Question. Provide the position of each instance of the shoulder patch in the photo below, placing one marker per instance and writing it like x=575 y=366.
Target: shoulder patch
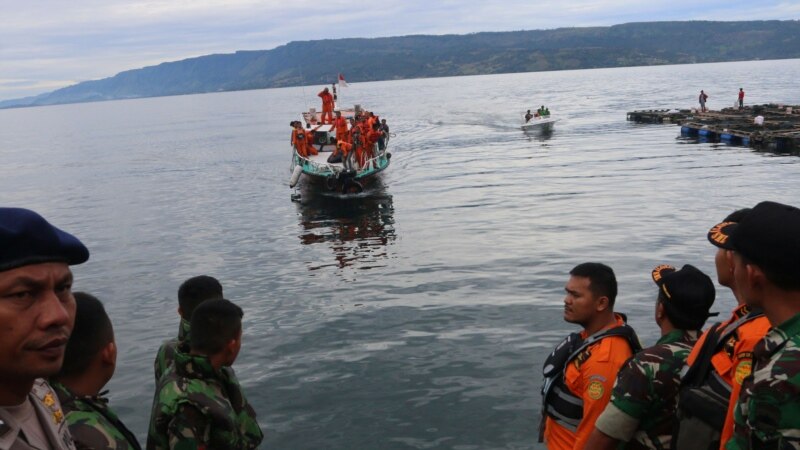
x=743 y=370
x=595 y=390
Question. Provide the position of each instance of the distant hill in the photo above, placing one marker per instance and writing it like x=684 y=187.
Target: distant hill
x=391 y=58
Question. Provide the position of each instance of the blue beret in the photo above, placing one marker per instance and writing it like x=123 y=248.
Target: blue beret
x=27 y=238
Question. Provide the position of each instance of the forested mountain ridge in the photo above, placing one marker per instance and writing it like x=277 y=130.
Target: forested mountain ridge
x=423 y=56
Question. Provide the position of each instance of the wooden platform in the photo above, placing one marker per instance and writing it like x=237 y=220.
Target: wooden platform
x=780 y=130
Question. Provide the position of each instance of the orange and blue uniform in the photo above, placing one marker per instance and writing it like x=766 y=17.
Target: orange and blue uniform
x=733 y=360
x=589 y=376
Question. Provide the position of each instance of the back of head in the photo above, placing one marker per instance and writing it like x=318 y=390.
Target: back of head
x=687 y=295
x=768 y=237
x=195 y=291
x=215 y=323
x=602 y=280
x=92 y=332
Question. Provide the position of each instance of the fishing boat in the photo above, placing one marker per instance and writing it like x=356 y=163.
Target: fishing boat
x=539 y=123
x=321 y=170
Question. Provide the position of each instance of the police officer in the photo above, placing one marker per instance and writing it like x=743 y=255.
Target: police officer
x=642 y=407
x=720 y=361
x=191 y=293
x=89 y=364
x=195 y=406
x=37 y=312
x=580 y=372
x=766 y=246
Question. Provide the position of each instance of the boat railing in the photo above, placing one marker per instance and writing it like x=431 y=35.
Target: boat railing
x=317 y=167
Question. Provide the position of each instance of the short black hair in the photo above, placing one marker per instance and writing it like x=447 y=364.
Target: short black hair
x=214 y=323
x=92 y=332
x=196 y=290
x=602 y=281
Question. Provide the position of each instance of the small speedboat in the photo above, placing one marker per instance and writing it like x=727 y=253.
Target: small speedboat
x=539 y=123
x=346 y=176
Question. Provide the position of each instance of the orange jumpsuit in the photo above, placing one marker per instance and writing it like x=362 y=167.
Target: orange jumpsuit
x=304 y=145
x=327 y=106
x=734 y=361
x=299 y=143
x=590 y=376
x=369 y=145
x=340 y=125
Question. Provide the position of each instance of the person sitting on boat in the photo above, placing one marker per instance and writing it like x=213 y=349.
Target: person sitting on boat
x=304 y=140
x=547 y=112
x=327 y=106
x=340 y=125
x=528 y=116
x=340 y=152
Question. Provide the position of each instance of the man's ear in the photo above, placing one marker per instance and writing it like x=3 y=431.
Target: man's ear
x=756 y=278
x=108 y=354
x=602 y=303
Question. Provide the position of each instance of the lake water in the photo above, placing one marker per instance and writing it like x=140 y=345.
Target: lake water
x=417 y=315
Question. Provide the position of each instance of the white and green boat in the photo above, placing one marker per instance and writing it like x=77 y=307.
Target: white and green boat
x=343 y=176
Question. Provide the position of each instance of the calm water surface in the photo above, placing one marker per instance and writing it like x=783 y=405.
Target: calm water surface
x=417 y=315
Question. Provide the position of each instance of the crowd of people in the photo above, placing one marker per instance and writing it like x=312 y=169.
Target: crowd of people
x=57 y=352
x=357 y=139
x=735 y=386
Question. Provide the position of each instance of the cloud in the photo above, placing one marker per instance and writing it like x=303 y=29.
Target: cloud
x=46 y=42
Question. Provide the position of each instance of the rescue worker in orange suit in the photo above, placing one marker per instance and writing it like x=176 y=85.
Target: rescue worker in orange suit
x=327 y=106
x=343 y=149
x=370 y=140
x=579 y=375
x=340 y=125
x=303 y=140
x=721 y=359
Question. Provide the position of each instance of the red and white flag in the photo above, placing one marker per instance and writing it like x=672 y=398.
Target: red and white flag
x=342 y=83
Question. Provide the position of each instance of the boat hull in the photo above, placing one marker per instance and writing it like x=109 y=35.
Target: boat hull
x=539 y=124
x=320 y=174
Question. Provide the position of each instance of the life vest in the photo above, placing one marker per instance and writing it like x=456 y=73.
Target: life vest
x=558 y=402
x=704 y=395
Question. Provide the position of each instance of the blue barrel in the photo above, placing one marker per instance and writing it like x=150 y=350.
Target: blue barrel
x=706 y=133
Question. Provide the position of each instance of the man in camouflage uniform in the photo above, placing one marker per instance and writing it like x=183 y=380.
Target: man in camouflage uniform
x=37 y=312
x=196 y=404
x=191 y=293
x=766 y=245
x=89 y=364
x=720 y=361
x=642 y=407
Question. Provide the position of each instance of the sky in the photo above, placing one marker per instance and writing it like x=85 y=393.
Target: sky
x=49 y=44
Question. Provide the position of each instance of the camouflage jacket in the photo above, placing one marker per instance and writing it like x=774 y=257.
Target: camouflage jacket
x=643 y=402
x=198 y=407
x=166 y=353
x=93 y=425
x=768 y=413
